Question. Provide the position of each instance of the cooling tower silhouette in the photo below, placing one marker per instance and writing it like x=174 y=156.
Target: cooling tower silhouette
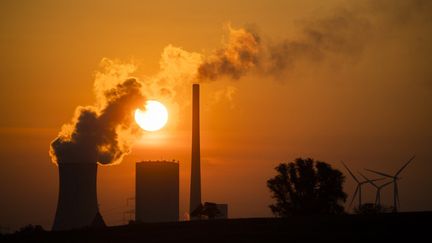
x=77 y=202
x=195 y=186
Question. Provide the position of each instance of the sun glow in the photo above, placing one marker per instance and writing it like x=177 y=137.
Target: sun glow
x=153 y=118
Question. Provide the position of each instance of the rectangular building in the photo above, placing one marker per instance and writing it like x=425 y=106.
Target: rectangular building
x=157 y=191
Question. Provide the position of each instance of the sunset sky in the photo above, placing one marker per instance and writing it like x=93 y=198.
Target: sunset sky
x=341 y=80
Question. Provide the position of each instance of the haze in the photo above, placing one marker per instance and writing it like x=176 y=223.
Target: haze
x=365 y=98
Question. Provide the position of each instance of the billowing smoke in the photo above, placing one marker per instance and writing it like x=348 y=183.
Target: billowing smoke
x=342 y=34
x=339 y=36
x=239 y=54
x=101 y=133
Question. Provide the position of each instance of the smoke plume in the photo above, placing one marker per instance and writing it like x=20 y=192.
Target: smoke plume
x=240 y=54
x=343 y=33
x=340 y=35
x=101 y=133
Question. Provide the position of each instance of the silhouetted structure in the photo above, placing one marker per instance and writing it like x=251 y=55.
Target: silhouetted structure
x=306 y=187
x=395 y=178
x=223 y=209
x=378 y=189
x=77 y=202
x=358 y=190
x=209 y=210
x=157 y=191
x=195 y=186
x=98 y=222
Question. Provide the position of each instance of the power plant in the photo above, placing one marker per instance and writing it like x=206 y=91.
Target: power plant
x=157 y=191
x=195 y=184
x=77 y=202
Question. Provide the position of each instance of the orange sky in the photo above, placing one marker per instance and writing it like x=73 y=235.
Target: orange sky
x=369 y=105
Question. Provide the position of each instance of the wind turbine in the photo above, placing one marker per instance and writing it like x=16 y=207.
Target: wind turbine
x=378 y=188
x=394 y=181
x=358 y=187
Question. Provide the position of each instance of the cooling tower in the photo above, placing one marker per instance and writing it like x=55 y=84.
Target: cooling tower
x=195 y=186
x=157 y=191
x=77 y=202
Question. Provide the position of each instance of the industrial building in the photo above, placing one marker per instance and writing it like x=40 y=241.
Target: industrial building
x=223 y=210
x=77 y=201
x=157 y=191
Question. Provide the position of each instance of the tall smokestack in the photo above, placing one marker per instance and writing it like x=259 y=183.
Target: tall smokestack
x=77 y=202
x=195 y=189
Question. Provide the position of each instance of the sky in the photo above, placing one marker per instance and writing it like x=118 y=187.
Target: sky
x=340 y=81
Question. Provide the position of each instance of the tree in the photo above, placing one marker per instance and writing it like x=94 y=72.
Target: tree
x=306 y=187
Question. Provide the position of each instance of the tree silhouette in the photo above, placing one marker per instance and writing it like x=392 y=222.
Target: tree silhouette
x=307 y=187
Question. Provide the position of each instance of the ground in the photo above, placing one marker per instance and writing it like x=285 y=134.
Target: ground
x=407 y=227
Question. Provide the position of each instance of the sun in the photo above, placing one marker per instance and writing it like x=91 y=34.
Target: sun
x=153 y=118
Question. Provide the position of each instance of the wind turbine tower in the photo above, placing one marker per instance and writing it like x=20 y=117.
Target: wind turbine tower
x=394 y=178
x=358 y=189
x=378 y=188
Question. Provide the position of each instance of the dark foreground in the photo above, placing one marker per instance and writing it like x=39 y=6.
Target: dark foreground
x=407 y=227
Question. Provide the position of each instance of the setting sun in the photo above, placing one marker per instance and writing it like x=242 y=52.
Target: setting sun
x=153 y=118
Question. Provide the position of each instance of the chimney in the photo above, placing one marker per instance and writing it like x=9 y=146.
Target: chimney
x=77 y=202
x=195 y=186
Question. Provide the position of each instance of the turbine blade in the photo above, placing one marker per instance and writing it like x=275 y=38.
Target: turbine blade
x=378 y=179
x=354 y=195
x=404 y=166
x=367 y=180
x=386 y=184
x=349 y=171
x=379 y=173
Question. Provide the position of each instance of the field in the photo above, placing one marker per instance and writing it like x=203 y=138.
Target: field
x=407 y=227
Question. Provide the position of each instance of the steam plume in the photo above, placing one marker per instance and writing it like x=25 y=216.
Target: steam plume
x=240 y=54
x=340 y=34
x=101 y=133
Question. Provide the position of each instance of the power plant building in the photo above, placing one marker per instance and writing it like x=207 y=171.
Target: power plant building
x=77 y=201
x=223 y=210
x=157 y=191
